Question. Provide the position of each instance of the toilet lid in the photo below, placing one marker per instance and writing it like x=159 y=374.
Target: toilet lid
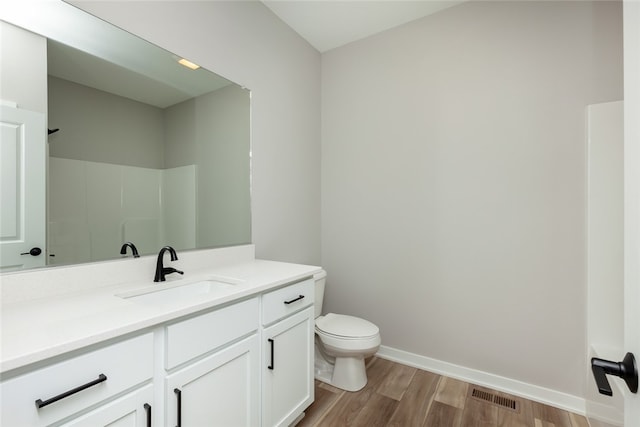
x=346 y=326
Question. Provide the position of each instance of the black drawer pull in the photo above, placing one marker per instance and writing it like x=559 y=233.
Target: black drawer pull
x=294 y=300
x=272 y=345
x=42 y=403
x=179 y=397
x=147 y=409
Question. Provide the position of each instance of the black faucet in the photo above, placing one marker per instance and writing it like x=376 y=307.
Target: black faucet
x=134 y=250
x=161 y=270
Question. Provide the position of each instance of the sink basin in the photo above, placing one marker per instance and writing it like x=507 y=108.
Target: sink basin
x=163 y=294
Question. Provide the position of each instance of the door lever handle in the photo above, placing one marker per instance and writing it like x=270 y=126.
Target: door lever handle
x=627 y=370
x=33 y=252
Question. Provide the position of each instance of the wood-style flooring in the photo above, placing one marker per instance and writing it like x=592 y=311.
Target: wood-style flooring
x=399 y=395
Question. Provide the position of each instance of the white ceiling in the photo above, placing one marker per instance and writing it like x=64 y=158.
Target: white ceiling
x=327 y=24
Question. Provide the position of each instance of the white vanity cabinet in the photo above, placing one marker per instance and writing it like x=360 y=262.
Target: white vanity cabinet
x=80 y=390
x=287 y=372
x=212 y=368
x=245 y=362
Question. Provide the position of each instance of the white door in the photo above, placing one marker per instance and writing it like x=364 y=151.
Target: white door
x=22 y=188
x=632 y=197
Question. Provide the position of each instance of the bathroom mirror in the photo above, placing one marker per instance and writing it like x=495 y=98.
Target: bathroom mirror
x=141 y=148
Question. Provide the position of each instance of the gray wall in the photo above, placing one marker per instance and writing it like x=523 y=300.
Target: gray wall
x=246 y=43
x=212 y=132
x=103 y=127
x=453 y=182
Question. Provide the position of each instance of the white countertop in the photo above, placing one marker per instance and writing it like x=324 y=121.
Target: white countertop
x=37 y=329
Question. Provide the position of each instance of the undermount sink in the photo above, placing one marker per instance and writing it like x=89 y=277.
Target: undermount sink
x=168 y=293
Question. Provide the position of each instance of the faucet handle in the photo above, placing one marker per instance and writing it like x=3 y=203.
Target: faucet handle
x=169 y=270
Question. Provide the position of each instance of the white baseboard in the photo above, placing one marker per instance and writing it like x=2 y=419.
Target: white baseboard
x=518 y=388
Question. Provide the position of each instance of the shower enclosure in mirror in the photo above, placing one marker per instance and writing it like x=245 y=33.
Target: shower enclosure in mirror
x=140 y=147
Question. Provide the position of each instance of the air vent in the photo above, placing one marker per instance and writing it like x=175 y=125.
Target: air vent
x=501 y=401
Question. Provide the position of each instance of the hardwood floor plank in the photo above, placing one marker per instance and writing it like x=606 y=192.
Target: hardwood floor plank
x=396 y=381
x=549 y=414
x=328 y=387
x=324 y=401
x=376 y=412
x=477 y=413
x=377 y=371
x=578 y=420
x=343 y=413
x=522 y=418
x=443 y=415
x=452 y=392
x=413 y=408
x=347 y=409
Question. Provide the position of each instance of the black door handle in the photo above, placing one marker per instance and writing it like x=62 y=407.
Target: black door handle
x=627 y=370
x=33 y=252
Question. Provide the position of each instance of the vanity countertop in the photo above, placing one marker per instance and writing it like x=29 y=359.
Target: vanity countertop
x=41 y=328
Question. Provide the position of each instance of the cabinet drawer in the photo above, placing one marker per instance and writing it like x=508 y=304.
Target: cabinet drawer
x=124 y=364
x=198 y=335
x=284 y=301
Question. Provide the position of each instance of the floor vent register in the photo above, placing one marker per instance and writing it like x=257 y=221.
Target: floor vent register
x=494 y=399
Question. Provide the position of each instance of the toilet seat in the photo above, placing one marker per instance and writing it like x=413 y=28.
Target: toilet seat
x=347 y=335
x=337 y=346
x=341 y=326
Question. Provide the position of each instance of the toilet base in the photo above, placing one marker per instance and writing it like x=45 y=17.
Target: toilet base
x=349 y=373
x=346 y=373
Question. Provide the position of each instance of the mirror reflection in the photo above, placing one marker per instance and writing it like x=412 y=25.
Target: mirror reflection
x=154 y=160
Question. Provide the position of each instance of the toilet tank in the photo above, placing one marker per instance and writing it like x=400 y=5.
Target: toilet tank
x=319 y=278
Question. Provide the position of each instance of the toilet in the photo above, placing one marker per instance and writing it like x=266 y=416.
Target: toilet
x=342 y=343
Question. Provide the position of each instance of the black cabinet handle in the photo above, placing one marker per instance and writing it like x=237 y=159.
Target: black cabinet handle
x=179 y=397
x=147 y=409
x=294 y=300
x=42 y=403
x=272 y=345
x=627 y=370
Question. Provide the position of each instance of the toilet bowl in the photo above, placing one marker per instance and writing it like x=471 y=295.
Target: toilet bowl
x=342 y=344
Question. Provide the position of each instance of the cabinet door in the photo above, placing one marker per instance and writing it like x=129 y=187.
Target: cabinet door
x=288 y=368
x=219 y=390
x=131 y=410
